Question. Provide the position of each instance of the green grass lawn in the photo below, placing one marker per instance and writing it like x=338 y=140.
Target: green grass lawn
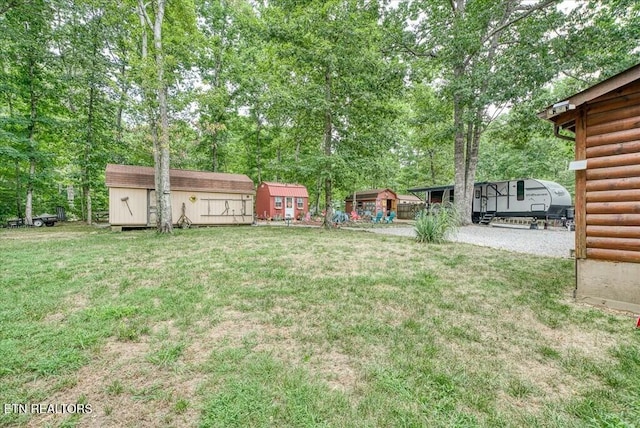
x=288 y=326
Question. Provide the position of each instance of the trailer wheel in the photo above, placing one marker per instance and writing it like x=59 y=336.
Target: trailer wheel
x=49 y=224
x=38 y=222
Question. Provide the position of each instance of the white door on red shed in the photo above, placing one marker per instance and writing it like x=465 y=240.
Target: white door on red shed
x=288 y=207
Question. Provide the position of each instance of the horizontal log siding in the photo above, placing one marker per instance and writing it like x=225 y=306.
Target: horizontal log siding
x=614 y=195
x=613 y=219
x=613 y=255
x=614 y=149
x=625 y=244
x=613 y=207
x=613 y=184
x=614 y=231
x=622 y=109
x=613 y=179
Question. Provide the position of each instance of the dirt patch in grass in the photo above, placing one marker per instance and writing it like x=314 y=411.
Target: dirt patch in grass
x=336 y=262
x=528 y=358
x=569 y=338
x=124 y=389
x=71 y=303
x=243 y=330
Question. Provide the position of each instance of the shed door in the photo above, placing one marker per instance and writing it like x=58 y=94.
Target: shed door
x=288 y=207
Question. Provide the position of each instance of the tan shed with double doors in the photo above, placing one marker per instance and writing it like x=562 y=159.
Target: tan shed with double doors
x=197 y=197
x=605 y=120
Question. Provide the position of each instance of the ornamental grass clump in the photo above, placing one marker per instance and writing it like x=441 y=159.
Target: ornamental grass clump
x=434 y=224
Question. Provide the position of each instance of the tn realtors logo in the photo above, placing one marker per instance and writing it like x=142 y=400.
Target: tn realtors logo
x=40 y=408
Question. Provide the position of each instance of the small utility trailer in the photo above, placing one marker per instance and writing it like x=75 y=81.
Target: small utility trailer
x=38 y=221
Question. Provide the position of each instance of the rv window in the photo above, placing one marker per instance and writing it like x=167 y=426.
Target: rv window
x=477 y=193
x=520 y=190
x=278 y=203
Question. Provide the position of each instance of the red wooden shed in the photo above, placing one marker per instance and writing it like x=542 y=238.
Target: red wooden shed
x=279 y=201
x=605 y=120
x=372 y=201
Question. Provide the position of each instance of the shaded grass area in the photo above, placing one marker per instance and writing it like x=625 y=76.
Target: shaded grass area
x=279 y=326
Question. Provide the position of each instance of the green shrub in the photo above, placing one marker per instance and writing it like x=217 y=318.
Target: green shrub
x=434 y=224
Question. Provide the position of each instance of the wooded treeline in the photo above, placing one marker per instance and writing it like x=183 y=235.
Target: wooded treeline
x=338 y=95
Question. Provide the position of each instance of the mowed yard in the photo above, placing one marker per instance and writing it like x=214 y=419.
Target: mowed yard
x=288 y=326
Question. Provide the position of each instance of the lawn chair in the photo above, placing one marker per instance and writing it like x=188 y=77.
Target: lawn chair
x=340 y=217
x=355 y=216
x=377 y=218
x=389 y=219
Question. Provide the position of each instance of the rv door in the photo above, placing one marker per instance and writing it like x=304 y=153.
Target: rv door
x=492 y=198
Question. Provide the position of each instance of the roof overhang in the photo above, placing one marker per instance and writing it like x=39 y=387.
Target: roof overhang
x=563 y=113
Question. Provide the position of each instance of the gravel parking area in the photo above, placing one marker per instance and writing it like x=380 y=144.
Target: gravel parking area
x=550 y=243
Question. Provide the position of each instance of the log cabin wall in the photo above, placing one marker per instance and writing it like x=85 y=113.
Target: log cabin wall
x=605 y=119
x=612 y=179
x=608 y=200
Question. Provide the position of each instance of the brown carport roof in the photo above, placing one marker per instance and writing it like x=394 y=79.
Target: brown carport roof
x=142 y=177
x=409 y=198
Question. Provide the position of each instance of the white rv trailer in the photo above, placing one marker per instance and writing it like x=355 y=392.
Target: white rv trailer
x=527 y=197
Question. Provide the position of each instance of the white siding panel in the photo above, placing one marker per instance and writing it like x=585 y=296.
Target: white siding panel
x=127 y=207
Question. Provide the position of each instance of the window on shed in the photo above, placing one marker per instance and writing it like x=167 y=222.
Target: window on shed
x=520 y=190
x=278 y=201
x=300 y=203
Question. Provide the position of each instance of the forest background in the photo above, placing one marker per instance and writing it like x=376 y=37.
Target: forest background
x=338 y=95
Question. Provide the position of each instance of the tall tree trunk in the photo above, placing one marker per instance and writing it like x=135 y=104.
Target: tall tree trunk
x=279 y=159
x=432 y=166
x=166 y=221
x=258 y=148
x=459 y=160
x=28 y=207
x=158 y=95
x=214 y=151
x=86 y=167
x=318 y=193
x=124 y=87
x=18 y=198
x=473 y=142
x=156 y=171
x=467 y=144
x=328 y=130
x=17 y=162
x=33 y=114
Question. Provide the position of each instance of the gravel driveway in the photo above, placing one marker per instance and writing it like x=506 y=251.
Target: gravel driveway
x=550 y=243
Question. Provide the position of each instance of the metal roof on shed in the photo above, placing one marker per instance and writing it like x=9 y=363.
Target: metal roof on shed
x=142 y=177
x=369 y=194
x=286 y=189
